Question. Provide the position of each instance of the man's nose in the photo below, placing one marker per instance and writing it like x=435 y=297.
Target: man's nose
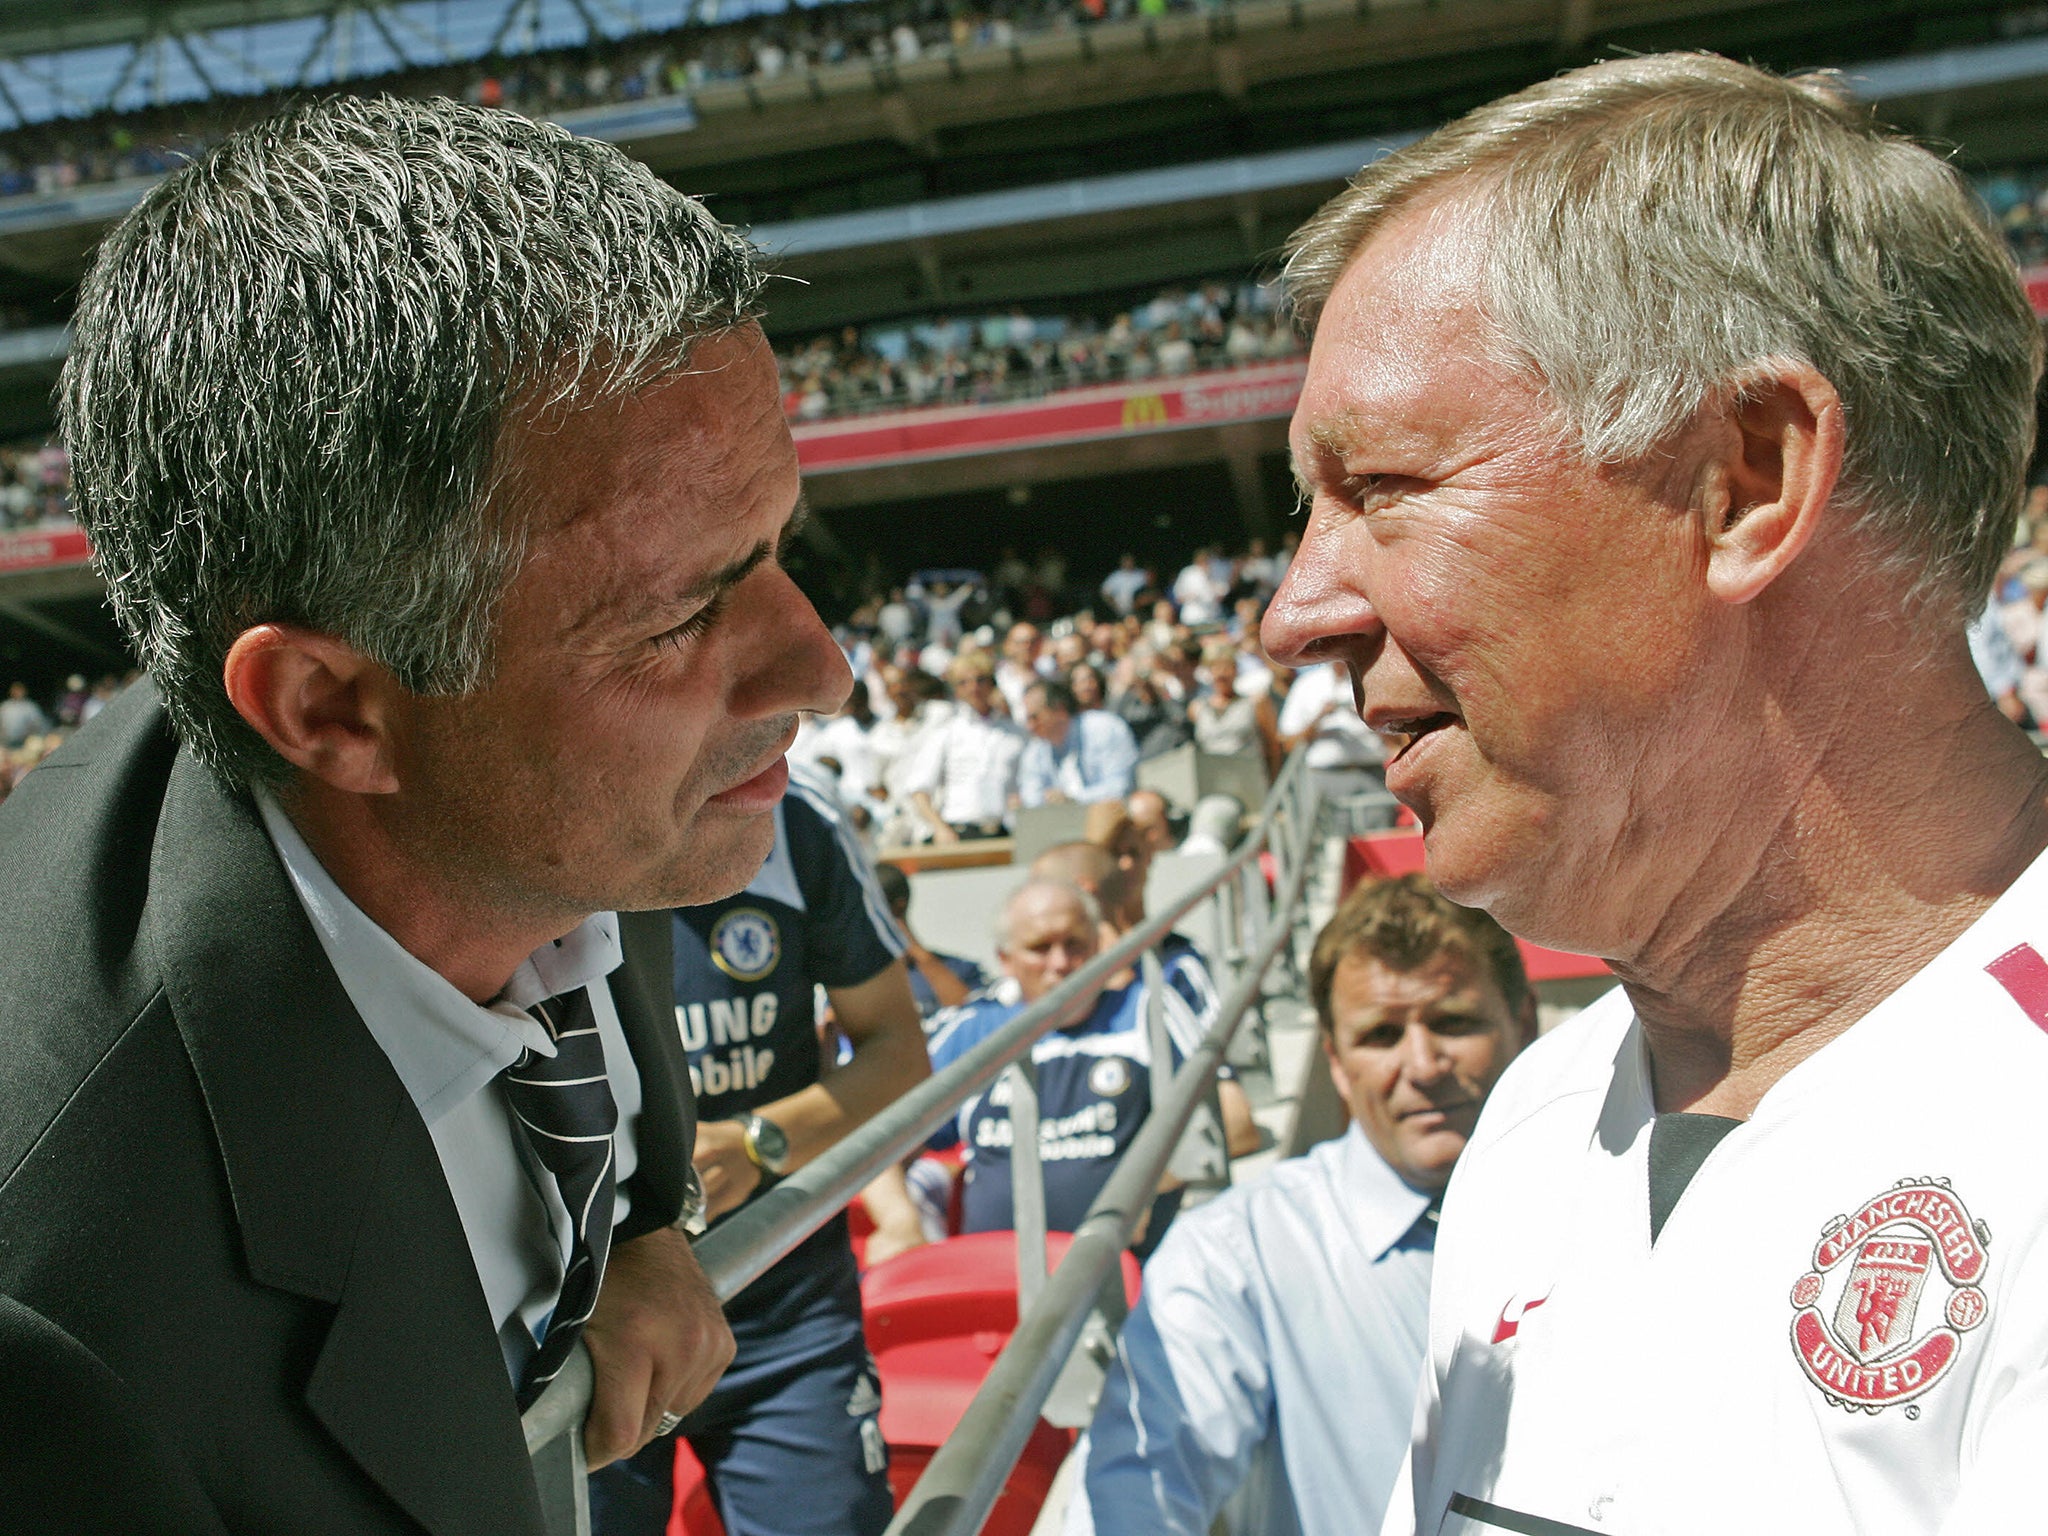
x=801 y=666
x=1423 y=1060
x=1320 y=612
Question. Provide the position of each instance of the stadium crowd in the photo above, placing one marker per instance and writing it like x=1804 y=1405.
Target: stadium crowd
x=980 y=694
x=56 y=156
x=974 y=360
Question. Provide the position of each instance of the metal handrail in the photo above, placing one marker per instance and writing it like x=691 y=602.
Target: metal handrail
x=755 y=1238
x=967 y=1473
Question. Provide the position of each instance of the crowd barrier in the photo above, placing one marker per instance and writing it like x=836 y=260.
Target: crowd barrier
x=1182 y=1134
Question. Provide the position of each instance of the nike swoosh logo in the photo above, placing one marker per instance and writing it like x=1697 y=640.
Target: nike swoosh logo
x=1508 y=1327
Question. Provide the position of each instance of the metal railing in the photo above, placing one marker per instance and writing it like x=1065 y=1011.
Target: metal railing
x=1181 y=1134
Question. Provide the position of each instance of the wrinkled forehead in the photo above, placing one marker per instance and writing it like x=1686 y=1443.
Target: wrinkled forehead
x=1367 y=987
x=1040 y=917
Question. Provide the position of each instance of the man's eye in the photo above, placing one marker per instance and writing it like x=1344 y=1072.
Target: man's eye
x=694 y=626
x=1371 y=490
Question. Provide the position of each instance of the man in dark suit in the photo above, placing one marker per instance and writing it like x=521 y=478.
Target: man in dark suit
x=439 y=476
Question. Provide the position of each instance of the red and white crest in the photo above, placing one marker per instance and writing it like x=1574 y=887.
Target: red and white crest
x=1880 y=1317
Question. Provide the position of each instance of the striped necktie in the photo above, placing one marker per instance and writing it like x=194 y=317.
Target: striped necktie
x=565 y=1104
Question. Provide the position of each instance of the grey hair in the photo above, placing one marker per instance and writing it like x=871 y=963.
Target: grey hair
x=298 y=358
x=1090 y=907
x=1660 y=230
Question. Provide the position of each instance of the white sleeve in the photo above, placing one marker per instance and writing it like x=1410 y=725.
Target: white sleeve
x=1189 y=1398
x=927 y=763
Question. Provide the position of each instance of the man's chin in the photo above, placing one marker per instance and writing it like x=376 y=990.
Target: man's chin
x=720 y=860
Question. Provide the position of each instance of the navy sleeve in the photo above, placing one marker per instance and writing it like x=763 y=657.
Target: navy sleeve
x=852 y=936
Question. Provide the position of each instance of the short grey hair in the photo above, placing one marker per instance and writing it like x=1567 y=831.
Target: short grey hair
x=1090 y=907
x=1660 y=229
x=297 y=361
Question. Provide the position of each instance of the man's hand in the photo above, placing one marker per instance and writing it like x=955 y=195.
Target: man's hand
x=658 y=1343
x=729 y=1175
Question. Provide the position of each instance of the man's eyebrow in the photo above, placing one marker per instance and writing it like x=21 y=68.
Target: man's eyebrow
x=707 y=587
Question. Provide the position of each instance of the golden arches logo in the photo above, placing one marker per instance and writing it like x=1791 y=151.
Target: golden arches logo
x=1144 y=411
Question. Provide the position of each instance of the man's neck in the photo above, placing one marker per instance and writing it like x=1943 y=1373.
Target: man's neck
x=1907 y=827
x=448 y=924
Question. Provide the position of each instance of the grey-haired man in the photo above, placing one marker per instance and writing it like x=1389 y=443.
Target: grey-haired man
x=1664 y=426
x=438 y=474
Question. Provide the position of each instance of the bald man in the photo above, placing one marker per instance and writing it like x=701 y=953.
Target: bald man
x=1094 y=1076
x=1098 y=872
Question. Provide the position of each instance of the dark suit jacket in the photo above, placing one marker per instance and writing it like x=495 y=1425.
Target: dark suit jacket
x=234 y=1291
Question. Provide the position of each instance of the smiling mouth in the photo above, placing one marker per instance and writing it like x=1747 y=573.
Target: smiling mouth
x=1403 y=732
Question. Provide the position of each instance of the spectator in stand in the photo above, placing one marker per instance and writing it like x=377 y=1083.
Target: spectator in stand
x=896 y=620
x=1999 y=665
x=1225 y=722
x=1094 y=1076
x=780 y=1439
x=840 y=746
x=1345 y=756
x=942 y=602
x=1093 y=869
x=1157 y=720
x=1019 y=668
x=2024 y=623
x=1075 y=756
x=1153 y=818
x=1085 y=683
x=20 y=717
x=1279 y=1339
x=969 y=762
x=1259 y=572
x=1122 y=586
x=936 y=980
x=1198 y=593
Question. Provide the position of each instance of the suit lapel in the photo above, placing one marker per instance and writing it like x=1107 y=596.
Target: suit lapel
x=336 y=1183
x=643 y=989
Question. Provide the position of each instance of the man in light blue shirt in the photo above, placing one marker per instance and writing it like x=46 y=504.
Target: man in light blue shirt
x=1075 y=755
x=1275 y=1351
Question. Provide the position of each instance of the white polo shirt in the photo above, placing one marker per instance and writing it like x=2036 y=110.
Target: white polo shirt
x=1843 y=1327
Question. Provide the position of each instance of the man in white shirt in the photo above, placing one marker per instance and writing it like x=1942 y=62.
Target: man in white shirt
x=1023 y=648
x=344 y=1100
x=1344 y=753
x=1275 y=1349
x=965 y=771
x=1638 y=515
x=1122 y=585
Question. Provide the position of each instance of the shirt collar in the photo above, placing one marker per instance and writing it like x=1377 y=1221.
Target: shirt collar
x=443 y=1046
x=1386 y=1206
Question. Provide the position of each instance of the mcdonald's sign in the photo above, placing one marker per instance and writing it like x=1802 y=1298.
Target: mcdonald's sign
x=1144 y=411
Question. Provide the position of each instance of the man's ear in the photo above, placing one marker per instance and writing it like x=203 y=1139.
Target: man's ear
x=321 y=704
x=1339 y=1078
x=1775 y=463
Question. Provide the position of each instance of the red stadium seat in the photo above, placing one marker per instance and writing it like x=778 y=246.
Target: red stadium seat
x=937 y=1317
x=693 y=1513
x=1383 y=855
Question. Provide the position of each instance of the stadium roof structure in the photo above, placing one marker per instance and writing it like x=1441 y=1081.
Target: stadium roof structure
x=90 y=56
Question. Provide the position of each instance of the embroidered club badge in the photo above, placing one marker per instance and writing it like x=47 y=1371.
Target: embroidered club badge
x=1880 y=1317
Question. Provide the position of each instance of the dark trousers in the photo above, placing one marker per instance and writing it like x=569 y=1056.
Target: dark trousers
x=789 y=1449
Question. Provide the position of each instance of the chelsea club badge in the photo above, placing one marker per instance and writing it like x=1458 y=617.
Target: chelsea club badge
x=745 y=944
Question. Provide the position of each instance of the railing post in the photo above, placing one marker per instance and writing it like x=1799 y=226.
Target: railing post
x=1027 y=1181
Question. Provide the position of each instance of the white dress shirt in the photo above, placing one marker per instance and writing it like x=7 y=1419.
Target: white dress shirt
x=1274 y=1354
x=448 y=1051
x=1341 y=739
x=969 y=766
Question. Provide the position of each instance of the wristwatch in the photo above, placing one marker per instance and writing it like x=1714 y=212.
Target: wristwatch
x=767 y=1148
x=691 y=1221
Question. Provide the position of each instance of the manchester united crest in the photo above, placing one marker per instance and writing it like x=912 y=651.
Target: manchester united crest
x=1881 y=1316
